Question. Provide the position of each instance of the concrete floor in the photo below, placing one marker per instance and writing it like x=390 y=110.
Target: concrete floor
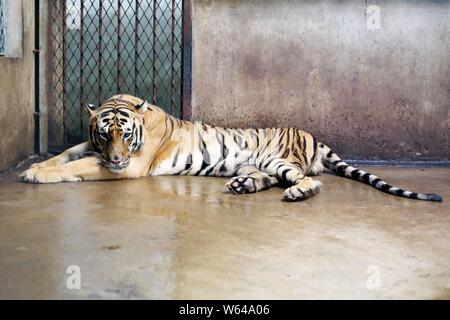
x=187 y=238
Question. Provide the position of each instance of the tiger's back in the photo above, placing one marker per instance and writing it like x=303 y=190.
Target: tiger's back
x=205 y=150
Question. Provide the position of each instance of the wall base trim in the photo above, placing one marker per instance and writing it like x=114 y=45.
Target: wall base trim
x=400 y=163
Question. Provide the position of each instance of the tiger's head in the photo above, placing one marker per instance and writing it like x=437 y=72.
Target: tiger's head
x=116 y=130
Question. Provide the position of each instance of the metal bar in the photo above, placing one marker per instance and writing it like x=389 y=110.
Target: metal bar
x=36 y=51
x=82 y=80
x=100 y=49
x=119 y=22
x=154 y=52
x=49 y=66
x=186 y=66
x=136 y=47
x=172 y=59
x=2 y=27
x=64 y=39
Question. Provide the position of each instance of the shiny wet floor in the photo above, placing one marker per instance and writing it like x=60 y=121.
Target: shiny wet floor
x=188 y=238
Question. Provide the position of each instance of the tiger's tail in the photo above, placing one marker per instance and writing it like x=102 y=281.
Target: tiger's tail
x=333 y=162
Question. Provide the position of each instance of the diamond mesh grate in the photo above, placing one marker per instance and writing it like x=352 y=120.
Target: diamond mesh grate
x=101 y=48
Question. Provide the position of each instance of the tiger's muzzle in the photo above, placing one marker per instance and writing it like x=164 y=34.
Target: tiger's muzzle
x=116 y=165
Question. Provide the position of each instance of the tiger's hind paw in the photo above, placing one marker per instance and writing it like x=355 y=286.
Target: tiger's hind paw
x=242 y=184
x=303 y=190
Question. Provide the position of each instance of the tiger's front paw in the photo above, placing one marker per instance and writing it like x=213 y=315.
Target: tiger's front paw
x=40 y=175
x=45 y=175
x=242 y=184
x=28 y=175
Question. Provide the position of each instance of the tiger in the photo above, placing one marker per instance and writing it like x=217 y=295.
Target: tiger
x=129 y=138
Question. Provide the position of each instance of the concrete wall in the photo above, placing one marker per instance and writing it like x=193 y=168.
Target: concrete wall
x=17 y=94
x=370 y=94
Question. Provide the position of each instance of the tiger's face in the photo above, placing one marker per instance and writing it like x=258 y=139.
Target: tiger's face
x=116 y=131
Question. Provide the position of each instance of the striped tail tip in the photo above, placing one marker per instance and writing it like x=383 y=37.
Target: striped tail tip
x=433 y=197
x=333 y=162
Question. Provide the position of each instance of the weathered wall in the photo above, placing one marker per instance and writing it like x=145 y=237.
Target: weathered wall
x=16 y=98
x=370 y=94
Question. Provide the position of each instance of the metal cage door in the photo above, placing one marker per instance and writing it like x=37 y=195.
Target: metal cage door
x=99 y=48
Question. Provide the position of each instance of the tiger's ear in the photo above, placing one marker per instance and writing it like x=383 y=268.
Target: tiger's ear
x=89 y=108
x=141 y=108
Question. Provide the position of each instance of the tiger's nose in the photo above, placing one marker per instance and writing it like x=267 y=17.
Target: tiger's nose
x=116 y=160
